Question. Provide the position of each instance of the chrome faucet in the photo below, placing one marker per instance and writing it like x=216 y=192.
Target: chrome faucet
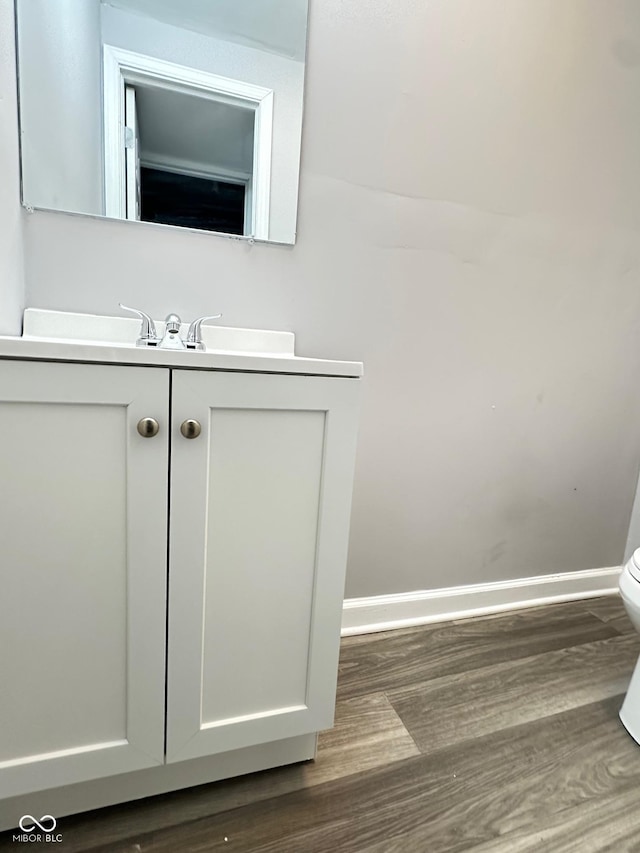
x=149 y=337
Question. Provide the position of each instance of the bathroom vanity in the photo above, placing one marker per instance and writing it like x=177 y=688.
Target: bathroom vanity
x=174 y=538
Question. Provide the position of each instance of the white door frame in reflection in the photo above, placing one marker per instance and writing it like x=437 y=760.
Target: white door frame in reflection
x=125 y=67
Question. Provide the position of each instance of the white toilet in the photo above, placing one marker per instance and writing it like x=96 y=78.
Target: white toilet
x=630 y=592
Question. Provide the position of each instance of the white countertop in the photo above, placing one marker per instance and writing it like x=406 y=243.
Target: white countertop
x=249 y=349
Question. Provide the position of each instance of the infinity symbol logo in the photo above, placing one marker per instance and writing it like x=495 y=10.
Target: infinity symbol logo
x=28 y=823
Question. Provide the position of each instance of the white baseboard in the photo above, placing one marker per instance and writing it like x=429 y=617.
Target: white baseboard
x=385 y=612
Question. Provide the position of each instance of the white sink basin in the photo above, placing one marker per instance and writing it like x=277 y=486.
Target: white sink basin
x=67 y=336
x=41 y=324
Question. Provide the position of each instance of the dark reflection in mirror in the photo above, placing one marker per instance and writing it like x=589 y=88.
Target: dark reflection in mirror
x=189 y=202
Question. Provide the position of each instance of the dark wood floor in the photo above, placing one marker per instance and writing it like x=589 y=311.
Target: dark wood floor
x=496 y=735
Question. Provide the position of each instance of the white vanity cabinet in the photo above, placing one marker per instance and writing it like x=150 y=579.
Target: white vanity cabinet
x=172 y=596
x=258 y=539
x=83 y=520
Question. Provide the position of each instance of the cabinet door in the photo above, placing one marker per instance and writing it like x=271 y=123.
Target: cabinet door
x=260 y=505
x=83 y=522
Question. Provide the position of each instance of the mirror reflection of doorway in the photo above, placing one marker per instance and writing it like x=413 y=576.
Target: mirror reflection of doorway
x=186 y=148
x=200 y=179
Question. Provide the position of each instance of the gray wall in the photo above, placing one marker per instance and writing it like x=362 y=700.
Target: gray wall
x=469 y=227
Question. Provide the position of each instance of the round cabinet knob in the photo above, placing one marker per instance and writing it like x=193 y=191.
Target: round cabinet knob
x=190 y=428
x=148 y=427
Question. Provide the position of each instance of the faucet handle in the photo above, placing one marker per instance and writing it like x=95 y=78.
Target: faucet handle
x=194 y=335
x=148 y=335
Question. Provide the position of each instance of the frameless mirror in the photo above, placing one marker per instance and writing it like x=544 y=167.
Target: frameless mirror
x=181 y=112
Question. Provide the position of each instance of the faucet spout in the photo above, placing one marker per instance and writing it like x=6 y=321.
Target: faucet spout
x=172 y=339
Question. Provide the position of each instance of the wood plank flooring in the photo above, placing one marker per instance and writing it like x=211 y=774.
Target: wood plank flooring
x=494 y=735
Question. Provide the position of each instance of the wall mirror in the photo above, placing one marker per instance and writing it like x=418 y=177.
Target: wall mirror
x=181 y=112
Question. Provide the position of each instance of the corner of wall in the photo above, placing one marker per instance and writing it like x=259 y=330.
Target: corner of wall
x=12 y=282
